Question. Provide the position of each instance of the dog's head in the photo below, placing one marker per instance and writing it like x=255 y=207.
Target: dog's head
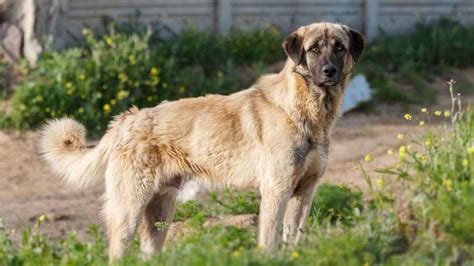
x=323 y=52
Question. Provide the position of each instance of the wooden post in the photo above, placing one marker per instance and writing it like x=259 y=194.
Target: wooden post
x=371 y=19
x=224 y=16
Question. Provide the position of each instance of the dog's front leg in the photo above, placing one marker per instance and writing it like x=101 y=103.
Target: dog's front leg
x=297 y=211
x=272 y=211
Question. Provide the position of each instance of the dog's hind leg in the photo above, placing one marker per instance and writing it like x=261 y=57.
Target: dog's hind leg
x=127 y=194
x=157 y=217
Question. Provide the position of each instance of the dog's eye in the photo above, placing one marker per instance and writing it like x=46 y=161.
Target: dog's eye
x=314 y=49
x=339 y=47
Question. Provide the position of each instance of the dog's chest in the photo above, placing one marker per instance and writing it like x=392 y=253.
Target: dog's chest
x=311 y=157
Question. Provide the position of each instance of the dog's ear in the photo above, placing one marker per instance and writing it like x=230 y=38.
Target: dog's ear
x=358 y=43
x=293 y=46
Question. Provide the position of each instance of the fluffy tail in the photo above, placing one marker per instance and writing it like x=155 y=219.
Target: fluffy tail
x=63 y=146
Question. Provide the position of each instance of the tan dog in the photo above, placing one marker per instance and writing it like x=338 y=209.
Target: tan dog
x=273 y=136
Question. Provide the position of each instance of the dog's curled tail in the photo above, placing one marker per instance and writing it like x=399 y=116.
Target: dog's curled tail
x=63 y=146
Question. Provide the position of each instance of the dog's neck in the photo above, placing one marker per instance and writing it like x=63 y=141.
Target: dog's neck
x=313 y=109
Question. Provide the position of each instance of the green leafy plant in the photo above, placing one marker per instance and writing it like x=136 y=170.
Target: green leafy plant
x=117 y=70
x=336 y=203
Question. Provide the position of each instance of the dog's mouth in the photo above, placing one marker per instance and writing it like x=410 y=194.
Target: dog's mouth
x=328 y=83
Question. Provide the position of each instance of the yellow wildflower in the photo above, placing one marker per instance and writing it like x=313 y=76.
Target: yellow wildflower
x=154 y=71
x=424 y=110
x=447 y=113
x=465 y=163
x=448 y=184
x=379 y=182
x=368 y=158
x=421 y=157
x=402 y=152
x=42 y=218
x=39 y=98
x=22 y=107
x=407 y=116
x=68 y=85
x=437 y=113
x=82 y=77
x=113 y=102
x=390 y=152
x=340 y=185
x=428 y=143
x=122 y=77
x=122 y=94
x=81 y=110
x=422 y=123
x=108 y=40
x=106 y=107
x=400 y=136
x=470 y=150
x=295 y=254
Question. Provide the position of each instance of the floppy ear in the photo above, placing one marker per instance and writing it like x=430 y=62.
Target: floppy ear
x=293 y=45
x=358 y=43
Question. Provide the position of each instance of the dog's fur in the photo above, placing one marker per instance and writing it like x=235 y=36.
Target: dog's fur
x=273 y=136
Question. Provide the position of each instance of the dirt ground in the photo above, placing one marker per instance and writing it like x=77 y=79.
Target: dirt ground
x=28 y=189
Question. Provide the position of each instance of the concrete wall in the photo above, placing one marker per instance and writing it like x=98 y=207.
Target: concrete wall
x=393 y=16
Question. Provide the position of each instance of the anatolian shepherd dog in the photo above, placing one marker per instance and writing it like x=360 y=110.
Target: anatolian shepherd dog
x=273 y=136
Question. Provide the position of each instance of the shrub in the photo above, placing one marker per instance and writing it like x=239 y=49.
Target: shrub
x=428 y=49
x=437 y=176
x=92 y=83
x=115 y=71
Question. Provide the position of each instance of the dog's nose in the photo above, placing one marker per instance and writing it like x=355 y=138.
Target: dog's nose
x=329 y=70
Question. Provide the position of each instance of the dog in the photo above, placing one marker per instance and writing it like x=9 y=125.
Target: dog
x=273 y=136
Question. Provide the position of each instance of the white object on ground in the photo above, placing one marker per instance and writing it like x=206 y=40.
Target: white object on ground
x=358 y=91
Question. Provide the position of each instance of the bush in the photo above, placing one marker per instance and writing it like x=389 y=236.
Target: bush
x=113 y=72
x=428 y=49
x=437 y=173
